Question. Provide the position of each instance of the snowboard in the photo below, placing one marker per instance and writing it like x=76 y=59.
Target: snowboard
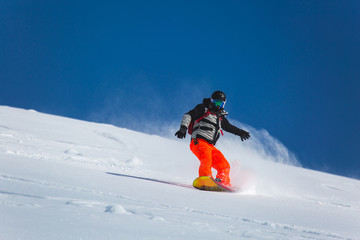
x=209 y=184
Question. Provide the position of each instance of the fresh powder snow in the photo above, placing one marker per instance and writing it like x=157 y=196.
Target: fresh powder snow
x=63 y=178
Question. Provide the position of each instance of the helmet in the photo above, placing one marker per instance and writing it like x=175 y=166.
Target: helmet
x=218 y=98
x=219 y=95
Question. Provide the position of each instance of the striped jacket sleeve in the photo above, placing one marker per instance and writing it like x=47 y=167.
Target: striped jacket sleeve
x=192 y=115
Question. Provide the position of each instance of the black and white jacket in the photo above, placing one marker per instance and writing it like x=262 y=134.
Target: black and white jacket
x=209 y=127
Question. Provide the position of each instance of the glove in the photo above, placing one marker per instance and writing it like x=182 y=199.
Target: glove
x=244 y=135
x=181 y=133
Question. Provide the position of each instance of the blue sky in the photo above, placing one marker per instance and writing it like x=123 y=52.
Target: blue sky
x=290 y=67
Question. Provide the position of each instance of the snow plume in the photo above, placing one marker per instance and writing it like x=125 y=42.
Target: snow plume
x=250 y=160
x=157 y=115
x=261 y=145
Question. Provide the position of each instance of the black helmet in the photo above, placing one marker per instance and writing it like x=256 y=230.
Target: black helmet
x=219 y=95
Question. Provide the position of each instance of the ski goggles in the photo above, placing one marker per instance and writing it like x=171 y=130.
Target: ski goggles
x=218 y=103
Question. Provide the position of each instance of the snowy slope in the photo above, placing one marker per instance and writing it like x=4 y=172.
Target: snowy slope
x=54 y=184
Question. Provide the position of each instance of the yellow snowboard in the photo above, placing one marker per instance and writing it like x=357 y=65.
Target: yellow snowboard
x=209 y=184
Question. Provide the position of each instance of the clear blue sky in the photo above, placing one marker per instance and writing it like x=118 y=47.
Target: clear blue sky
x=290 y=67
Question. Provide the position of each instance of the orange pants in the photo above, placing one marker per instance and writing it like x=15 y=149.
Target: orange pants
x=211 y=157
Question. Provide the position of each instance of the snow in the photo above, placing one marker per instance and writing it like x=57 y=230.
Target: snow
x=55 y=184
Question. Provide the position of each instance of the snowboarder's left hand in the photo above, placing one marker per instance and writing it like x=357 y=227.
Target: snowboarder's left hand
x=244 y=135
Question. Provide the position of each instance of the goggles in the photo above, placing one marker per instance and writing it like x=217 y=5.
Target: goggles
x=218 y=103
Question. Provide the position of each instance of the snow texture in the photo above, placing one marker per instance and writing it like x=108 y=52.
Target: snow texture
x=62 y=178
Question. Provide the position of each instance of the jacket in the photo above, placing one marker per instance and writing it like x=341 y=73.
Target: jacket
x=209 y=127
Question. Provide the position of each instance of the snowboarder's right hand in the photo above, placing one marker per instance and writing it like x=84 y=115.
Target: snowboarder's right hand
x=181 y=133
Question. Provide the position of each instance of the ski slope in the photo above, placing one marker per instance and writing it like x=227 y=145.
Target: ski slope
x=55 y=184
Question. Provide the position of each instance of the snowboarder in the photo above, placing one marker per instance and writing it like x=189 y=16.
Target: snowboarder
x=205 y=123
